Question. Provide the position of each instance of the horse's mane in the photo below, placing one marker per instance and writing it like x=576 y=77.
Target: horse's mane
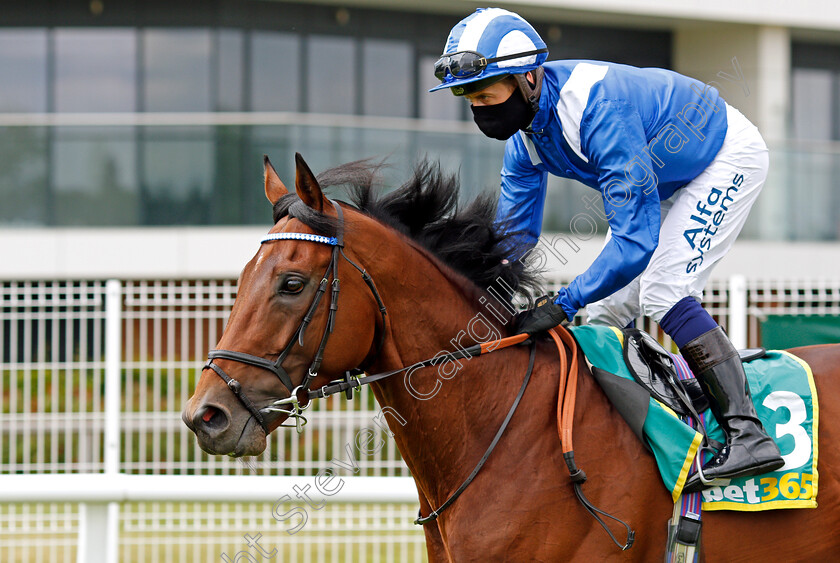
x=426 y=209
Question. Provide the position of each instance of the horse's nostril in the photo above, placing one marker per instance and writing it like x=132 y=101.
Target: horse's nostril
x=210 y=419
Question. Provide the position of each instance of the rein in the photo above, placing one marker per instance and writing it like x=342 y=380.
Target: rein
x=435 y=513
x=565 y=416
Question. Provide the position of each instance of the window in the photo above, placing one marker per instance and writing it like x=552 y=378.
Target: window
x=388 y=78
x=272 y=57
x=177 y=70
x=441 y=104
x=94 y=176
x=23 y=150
x=177 y=175
x=229 y=45
x=812 y=103
x=815 y=96
x=95 y=70
x=275 y=71
x=331 y=75
x=23 y=70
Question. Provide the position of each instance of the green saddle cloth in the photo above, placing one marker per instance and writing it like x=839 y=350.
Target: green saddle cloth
x=783 y=391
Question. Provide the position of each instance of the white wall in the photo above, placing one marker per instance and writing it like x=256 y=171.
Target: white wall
x=805 y=14
x=149 y=253
x=206 y=253
x=757 y=260
x=749 y=64
x=816 y=14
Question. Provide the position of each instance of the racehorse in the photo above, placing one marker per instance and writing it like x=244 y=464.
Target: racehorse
x=415 y=273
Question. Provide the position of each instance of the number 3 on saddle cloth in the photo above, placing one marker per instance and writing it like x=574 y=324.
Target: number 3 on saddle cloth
x=632 y=369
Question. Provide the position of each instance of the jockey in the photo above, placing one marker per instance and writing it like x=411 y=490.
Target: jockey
x=677 y=169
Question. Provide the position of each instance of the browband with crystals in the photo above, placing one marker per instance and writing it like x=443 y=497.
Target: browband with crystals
x=332 y=241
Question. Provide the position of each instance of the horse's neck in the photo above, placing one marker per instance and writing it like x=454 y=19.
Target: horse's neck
x=439 y=434
x=442 y=413
x=445 y=416
x=430 y=310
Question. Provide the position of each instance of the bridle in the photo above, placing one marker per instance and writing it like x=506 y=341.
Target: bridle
x=299 y=397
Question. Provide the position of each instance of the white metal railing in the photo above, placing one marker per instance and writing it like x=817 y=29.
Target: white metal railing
x=161 y=329
x=53 y=367
x=92 y=379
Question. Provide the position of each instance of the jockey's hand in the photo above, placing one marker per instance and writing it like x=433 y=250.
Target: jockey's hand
x=544 y=316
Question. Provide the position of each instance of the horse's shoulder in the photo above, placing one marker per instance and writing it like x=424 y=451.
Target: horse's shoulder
x=818 y=354
x=824 y=361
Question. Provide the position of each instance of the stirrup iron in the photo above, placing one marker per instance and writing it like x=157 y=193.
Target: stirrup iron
x=698 y=465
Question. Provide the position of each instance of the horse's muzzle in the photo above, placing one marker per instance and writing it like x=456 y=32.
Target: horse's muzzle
x=220 y=433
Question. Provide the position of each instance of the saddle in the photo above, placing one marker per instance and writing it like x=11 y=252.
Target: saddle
x=653 y=368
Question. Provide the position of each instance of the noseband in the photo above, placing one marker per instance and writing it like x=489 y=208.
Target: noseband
x=299 y=396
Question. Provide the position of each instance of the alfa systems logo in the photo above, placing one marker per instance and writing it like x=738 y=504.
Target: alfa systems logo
x=706 y=222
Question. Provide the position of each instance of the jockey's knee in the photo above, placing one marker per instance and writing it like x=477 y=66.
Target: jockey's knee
x=657 y=296
x=655 y=304
x=656 y=307
x=606 y=316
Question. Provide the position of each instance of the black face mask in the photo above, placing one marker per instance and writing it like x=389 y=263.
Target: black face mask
x=501 y=121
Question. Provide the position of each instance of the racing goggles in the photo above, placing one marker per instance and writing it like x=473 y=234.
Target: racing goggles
x=465 y=64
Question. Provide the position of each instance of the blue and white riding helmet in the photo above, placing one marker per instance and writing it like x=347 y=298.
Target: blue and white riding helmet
x=486 y=45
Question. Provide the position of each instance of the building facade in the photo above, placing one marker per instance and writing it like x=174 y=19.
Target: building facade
x=125 y=122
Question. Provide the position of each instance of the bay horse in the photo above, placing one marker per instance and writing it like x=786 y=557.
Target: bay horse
x=415 y=272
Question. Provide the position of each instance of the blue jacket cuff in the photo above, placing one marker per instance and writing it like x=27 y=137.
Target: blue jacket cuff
x=564 y=300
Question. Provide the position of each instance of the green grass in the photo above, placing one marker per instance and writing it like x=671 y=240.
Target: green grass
x=152 y=532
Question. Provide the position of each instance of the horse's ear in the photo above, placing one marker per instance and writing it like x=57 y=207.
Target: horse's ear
x=307 y=186
x=274 y=187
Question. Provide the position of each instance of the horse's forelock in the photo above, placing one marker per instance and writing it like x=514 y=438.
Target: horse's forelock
x=292 y=206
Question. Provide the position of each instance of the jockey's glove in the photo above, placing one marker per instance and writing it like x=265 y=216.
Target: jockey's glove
x=545 y=315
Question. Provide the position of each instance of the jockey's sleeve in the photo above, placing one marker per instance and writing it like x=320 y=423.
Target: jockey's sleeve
x=613 y=137
x=522 y=196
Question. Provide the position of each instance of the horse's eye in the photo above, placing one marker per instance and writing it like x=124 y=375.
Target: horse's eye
x=292 y=285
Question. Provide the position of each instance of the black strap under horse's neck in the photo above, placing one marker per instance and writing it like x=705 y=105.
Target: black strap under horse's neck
x=421 y=520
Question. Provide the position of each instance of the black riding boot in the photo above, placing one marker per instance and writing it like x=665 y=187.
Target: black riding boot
x=748 y=449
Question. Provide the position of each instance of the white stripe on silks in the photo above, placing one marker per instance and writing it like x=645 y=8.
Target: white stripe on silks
x=516 y=42
x=532 y=150
x=573 y=98
x=474 y=28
